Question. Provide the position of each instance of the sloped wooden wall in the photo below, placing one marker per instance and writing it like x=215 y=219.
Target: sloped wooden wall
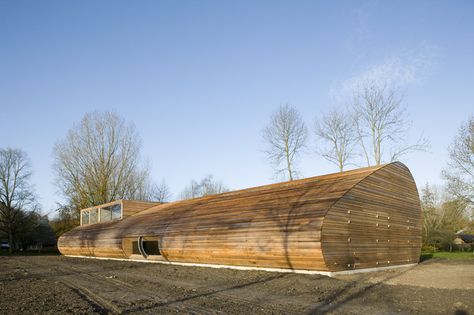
x=285 y=225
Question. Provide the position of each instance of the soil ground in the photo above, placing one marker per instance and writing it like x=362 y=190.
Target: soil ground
x=60 y=285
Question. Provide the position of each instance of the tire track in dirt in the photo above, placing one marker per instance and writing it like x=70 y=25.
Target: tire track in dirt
x=103 y=292
x=131 y=294
x=174 y=303
x=61 y=285
x=99 y=305
x=107 y=294
x=186 y=303
x=223 y=292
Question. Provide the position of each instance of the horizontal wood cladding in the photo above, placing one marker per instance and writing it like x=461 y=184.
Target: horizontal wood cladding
x=302 y=224
x=377 y=223
x=130 y=207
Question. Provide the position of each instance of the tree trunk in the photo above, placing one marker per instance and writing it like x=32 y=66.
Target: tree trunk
x=288 y=162
x=290 y=173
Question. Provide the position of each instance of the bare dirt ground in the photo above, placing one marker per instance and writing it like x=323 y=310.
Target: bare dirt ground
x=60 y=285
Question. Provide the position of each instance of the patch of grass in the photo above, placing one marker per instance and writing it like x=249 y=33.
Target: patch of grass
x=447 y=255
x=454 y=255
x=425 y=256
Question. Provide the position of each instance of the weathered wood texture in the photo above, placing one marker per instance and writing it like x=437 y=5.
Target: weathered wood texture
x=375 y=224
x=327 y=223
x=131 y=207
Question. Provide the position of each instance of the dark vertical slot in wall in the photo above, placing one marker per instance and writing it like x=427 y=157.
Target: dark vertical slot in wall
x=151 y=247
x=135 y=250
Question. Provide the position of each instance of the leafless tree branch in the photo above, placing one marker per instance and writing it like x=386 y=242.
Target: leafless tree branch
x=17 y=199
x=336 y=130
x=285 y=138
x=207 y=186
x=381 y=124
x=460 y=171
x=99 y=161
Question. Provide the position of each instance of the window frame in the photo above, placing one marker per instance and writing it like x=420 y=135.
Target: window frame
x=115 y=208
x=88 y=217
x=97 y=214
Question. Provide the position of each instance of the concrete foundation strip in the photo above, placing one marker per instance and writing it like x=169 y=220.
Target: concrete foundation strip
x=309 y=272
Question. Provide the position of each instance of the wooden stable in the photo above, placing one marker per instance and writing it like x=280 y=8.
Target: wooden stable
x=364 y=218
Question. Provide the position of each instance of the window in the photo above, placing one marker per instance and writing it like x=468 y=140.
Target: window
x=94 y=216
x=116 y=211
x=109 y=213
x=105 y=214
x=85 y=217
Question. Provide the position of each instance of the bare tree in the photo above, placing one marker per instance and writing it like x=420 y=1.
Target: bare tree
x=17 y=199
x=159 y=192
x=381 y=124
x=285 y=138
x=99 y=161
x=336 y=130
x=207 y=186
x=460 y=172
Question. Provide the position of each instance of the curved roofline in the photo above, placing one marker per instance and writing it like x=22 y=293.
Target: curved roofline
x=279 y=184
x=377 y=168
x=262 y=187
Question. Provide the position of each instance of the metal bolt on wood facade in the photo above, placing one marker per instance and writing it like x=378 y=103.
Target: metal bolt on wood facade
x=363 y=218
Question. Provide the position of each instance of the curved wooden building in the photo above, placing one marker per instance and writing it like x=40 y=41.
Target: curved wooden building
x=363 y=218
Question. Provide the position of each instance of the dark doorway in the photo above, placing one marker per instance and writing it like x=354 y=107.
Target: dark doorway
x=151 y=248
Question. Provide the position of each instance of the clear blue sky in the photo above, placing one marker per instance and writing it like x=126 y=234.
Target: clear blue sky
x=201 y=78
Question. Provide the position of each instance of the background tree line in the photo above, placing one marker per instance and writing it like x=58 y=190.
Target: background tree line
x=373 y=130
x=21 y=223
x=450 y=209
x=99 y=161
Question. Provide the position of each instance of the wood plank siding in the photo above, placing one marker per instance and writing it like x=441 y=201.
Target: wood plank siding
x=368 y=217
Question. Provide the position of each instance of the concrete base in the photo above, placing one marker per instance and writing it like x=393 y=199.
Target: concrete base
x=310 y=272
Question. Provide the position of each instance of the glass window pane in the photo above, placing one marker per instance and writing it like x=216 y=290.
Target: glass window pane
x=94 y=216
x=105 y=214
x=116 y=212
x=85 y=217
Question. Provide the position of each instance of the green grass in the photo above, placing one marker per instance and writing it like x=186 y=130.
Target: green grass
x=448 y=255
